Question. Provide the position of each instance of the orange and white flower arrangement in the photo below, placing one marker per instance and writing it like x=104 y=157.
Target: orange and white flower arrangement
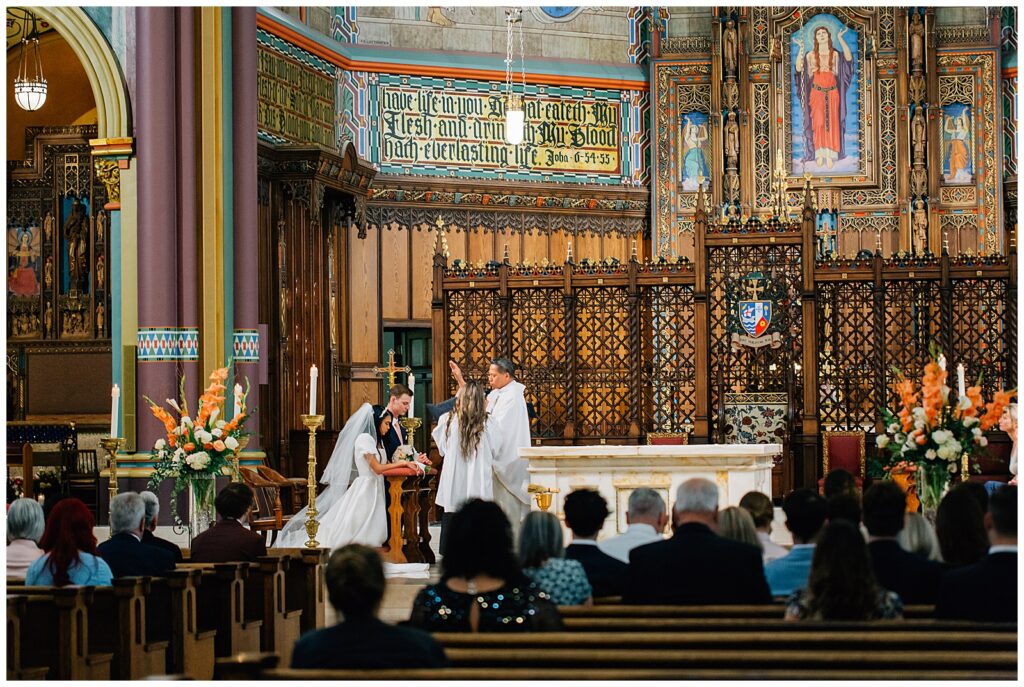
x=935 y=430
x=197 y=449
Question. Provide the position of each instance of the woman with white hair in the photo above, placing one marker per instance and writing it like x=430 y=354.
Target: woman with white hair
x=25 y=527
x=543 y=559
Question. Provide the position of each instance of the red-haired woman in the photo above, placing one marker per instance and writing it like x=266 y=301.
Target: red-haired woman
x=70 y=547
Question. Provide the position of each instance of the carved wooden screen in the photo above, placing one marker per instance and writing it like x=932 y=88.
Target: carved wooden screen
x=539 y=348
x=474 y=334
x=847 y=355
x=744 y=369
x=912 y=323
x=603 y=352
x=669 y=350
x=980 y=327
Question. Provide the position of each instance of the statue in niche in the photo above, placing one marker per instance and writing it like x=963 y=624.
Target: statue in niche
x=101 y=272
x=918 y=135
x=48 y=319
x=101 y=225
x=732 y=142
x=916 y=41
x=76 y=233
x=48 y=223
x=920 y=222
x=729 y=47
x=48 y=272
x=100 y=317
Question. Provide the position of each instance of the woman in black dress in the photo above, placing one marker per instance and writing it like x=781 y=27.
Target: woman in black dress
x=482 y=588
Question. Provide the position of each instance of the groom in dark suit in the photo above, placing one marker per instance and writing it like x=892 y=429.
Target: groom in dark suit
x=696 y=566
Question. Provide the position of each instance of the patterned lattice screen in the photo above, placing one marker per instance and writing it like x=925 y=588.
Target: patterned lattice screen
x=668 y=372
x=911 y=324
x=847 y=355
x=539 y=348
x=981 y=319
x=603 y=351
x=474 y=331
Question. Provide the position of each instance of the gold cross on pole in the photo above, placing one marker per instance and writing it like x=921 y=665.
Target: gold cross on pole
x=391 y=369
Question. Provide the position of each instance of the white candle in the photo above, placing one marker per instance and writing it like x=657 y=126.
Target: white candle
x=238 y=400
x=961 y=390
x=313 y=373
x=412 y=389
x=942 y=362
x=115 y=396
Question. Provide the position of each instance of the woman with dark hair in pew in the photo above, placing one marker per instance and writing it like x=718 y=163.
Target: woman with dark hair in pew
x=842 y=584
x=355 y=586
x=482 y=588
x=70 y=547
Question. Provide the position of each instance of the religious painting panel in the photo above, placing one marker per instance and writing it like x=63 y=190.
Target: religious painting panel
x=826 y=243
x=540 y=351
x=957 y=157
x=696 y=150
x=827 y=88
x=603 y=353
x=668 y=353
x=847 y=355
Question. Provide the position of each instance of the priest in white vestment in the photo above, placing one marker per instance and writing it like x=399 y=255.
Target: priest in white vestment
x=509 y=425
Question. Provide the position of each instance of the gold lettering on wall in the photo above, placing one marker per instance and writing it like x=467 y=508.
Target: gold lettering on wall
x=295 y=102
x=425 y=127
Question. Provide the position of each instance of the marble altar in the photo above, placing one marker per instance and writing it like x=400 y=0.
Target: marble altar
x=615 y=471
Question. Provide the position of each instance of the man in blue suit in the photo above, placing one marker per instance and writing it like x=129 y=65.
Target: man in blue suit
x=124 y=552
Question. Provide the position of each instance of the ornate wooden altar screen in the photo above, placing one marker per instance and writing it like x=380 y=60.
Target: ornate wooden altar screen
x=610 y=352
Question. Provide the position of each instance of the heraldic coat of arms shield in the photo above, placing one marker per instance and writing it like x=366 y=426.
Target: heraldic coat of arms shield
x=753 y=298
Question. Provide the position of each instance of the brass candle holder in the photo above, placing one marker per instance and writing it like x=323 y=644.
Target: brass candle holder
x=111 y=445
x=410 y=425
x=235 y=465
x=311 y=422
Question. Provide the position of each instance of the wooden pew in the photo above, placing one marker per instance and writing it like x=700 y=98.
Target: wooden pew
x=588 y=625
x=16 y=668
x=222 y=604
x=172 y=614
x=304 y=579
x=281 y=611
x=54 y=631
x=612 y=610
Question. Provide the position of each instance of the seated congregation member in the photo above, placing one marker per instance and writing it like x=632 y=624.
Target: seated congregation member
x=646 y=518
x=960 y=525
x=987 y=591
x=696 y=566
x=148 y=536
x=845 y=506
x=841 y=585
x=355 y=587
x=585 y=513
x=541 y=555
x=918 y=536
x=70 y=546
x=124 y=552
x=915 y=579
x=736 y=523
x=805 y=516
x=482 y=588
x=24 y=530
x=762 y=511
x=839 y=481
x=229 y=539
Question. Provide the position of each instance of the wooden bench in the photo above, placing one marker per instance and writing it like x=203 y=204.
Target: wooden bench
x=223 y=604
x=613 y=610
x=17 y=669
x=584 y=624
x=304 y=581
x=173 y=613
x=53 y=627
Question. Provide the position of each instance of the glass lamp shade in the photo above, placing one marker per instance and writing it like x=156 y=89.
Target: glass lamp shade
x=30 y=95
x=515 y=122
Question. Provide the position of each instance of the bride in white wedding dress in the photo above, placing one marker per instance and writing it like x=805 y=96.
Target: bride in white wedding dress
x=351 y=510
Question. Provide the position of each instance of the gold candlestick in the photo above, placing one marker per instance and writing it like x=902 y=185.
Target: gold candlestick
x=311 y=422
x=410 y=425
x=111 y=445
x=242 y=443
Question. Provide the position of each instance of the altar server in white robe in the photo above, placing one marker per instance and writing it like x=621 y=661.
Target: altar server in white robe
x=506 y=407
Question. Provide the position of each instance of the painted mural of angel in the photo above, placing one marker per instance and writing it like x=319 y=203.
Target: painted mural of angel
x=23 y=259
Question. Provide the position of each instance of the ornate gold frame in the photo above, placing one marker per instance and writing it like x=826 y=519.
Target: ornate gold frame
x=668 y=435
x=824 y=450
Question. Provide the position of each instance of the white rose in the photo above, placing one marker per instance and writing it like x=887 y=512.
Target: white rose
x=941 y=436
x=930 y=454
x=231 y=443
x=944 y=452
x=217 y=432
x=220 y=424
x=919 y=414
x=976 y=432
x=882 y=440
x=970 y=421
x=919 y=424
x=983 y=441
x=893 y=428
x=160 y=444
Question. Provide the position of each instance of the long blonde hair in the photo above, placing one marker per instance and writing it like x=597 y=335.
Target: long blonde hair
x=471 y=409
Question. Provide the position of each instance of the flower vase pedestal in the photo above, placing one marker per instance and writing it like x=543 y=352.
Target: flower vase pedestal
x=201 y=515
